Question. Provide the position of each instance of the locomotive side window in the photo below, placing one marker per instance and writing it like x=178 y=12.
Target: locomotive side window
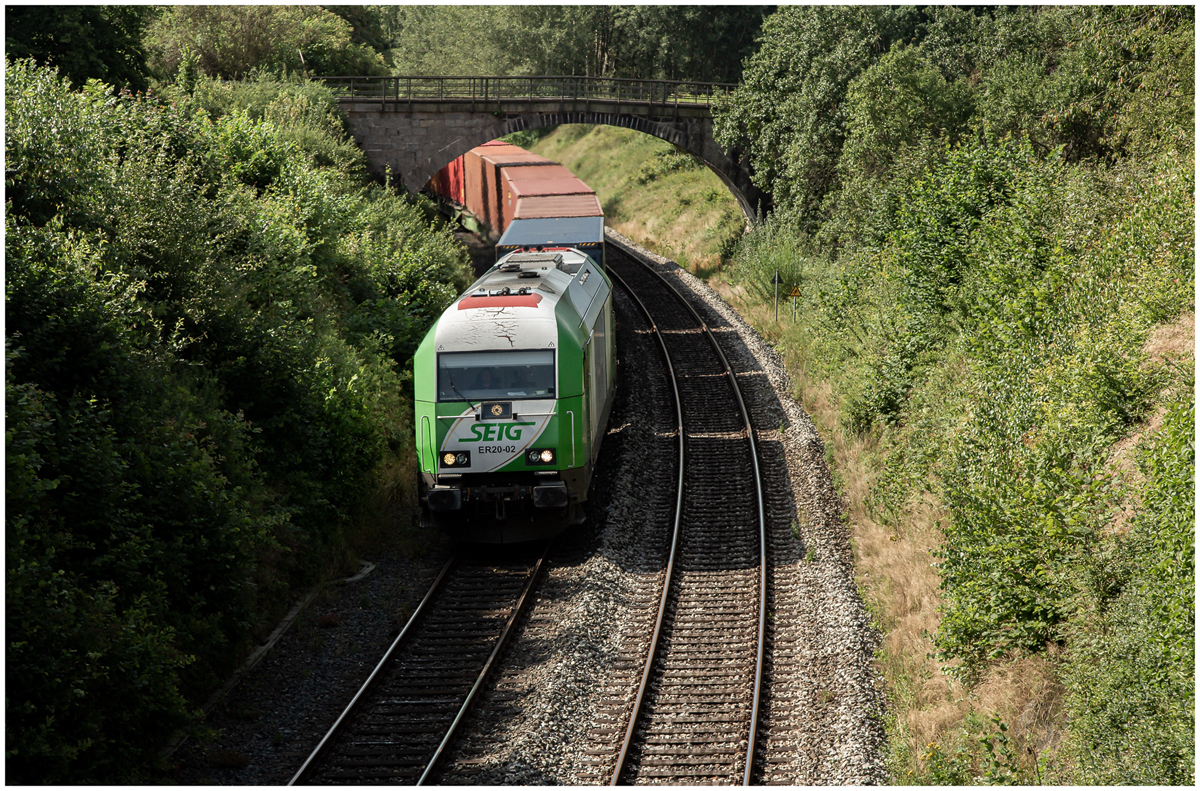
x=479 y=376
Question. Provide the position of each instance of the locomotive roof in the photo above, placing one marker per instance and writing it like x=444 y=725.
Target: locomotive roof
x=516 y=303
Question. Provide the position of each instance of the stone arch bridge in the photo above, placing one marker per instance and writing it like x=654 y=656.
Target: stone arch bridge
x=414 y=126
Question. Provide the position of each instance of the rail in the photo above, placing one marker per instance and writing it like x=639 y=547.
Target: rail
x=485 y=90
x=306 y=768
x=760 y=647
x=652 y=651
x=385 y=751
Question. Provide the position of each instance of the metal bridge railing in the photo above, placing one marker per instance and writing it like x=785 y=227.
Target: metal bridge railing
x=529 y=89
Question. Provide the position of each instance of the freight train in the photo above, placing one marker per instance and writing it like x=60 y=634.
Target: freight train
x=514 y=383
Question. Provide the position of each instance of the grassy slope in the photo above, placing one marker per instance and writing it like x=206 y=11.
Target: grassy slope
x=687 y=215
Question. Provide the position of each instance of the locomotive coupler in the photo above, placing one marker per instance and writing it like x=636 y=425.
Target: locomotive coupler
x=500 y=495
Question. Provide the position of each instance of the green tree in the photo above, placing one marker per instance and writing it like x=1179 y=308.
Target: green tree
x=84 y=42
x=790 y=113
x=1139 y=63
x=455 y=40
x=703 y=43
x=368 y=24
x=896 y=111
x=205 y=331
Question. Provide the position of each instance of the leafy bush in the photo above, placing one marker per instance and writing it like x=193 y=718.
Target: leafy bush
x=302 y=112
x=205 y=331
x=666 y=161
x=528 y=138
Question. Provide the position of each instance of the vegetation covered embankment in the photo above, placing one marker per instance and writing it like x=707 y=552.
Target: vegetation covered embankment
x=990 y=217
x=209 y=312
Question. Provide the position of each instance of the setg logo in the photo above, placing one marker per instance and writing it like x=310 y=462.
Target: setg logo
x=495 y=432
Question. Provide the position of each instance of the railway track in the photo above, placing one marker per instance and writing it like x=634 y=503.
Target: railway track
x=691 y=715
x=399 y=725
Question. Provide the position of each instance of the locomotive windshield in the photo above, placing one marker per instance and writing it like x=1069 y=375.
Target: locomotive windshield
x=482 y=376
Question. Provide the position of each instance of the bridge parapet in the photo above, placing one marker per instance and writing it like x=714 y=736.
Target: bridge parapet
x=496 y=94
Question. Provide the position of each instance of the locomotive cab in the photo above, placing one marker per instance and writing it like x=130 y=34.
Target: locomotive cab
x=513 y=387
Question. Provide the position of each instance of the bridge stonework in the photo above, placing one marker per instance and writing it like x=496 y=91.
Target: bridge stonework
x=414 y=142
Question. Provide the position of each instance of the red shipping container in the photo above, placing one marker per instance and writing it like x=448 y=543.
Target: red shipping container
x=492 y=180
x=448 y=182
x=474 y=183
x=558 y=206
x=521 y=182
x=497 y=159
x=550 y=180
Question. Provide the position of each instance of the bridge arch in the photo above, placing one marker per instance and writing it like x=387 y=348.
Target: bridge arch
x=413 y=127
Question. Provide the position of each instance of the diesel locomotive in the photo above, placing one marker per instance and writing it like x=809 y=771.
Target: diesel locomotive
x=513 y=388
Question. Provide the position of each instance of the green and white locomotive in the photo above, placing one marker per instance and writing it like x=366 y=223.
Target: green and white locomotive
x=513 y=387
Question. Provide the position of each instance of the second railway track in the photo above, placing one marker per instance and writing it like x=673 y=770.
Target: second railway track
x=692 y=715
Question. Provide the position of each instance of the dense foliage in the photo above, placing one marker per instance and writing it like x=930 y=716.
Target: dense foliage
x=837 y=103
x=990 y=212
x=706 y=43
x=208 y=317
x=231 y=41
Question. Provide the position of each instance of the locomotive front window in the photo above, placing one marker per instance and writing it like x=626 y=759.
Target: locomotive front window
x=485 y=376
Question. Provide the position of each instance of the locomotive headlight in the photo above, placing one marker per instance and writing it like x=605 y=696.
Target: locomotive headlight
x=540 y=456
x=451 y=459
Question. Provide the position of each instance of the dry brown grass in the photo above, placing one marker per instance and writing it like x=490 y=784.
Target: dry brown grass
x=1172 y=341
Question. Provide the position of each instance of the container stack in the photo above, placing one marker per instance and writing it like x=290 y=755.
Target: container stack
x=522 y=200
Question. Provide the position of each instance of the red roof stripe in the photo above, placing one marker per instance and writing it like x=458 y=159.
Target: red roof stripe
x=510 y=301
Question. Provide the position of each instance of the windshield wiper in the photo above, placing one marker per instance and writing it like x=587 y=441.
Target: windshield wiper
x=455 y=389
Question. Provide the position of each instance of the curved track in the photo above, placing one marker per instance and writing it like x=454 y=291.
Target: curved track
x=694 y=717
x=397 y=727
